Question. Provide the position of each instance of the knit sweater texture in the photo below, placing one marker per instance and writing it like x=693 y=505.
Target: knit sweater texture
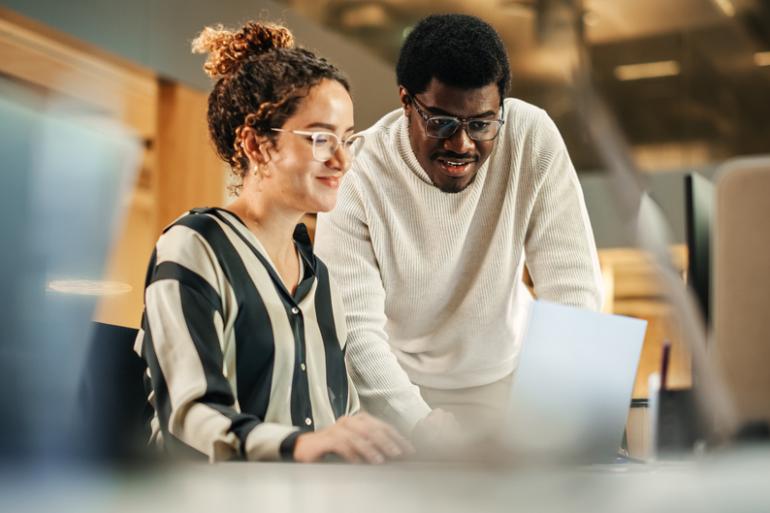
x=432 y=281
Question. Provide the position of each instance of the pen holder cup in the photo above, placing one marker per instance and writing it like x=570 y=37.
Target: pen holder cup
x=676 y=423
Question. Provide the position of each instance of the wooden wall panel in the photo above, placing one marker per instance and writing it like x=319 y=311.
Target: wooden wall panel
x=36 y=54
x=182 y=172
x=189 y=172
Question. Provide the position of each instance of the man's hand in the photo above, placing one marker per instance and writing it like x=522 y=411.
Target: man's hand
x=439 y=436
x=358 y=438
x=437 y=433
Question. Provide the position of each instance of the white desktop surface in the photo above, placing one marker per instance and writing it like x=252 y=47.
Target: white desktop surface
x=730 y=482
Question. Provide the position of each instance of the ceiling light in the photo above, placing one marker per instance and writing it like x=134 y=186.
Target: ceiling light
x=370 y=15
x=518 y=7
x=89 y=287
x=762 y=58
x=647 y=70
x=726 y=6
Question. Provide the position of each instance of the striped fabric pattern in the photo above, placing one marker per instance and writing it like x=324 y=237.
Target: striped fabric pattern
x=238 y=366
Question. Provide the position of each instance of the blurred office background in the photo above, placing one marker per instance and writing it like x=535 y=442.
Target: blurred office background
x=687 y=81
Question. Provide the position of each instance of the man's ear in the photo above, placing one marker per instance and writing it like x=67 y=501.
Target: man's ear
x=255 y=146
x=406 y=100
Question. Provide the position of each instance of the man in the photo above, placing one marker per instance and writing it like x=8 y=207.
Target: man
x=429 y=238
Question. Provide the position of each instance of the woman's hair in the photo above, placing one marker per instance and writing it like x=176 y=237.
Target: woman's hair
x=261 y=78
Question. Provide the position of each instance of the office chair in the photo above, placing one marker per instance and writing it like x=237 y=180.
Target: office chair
x=114 y=412
x=741 y=294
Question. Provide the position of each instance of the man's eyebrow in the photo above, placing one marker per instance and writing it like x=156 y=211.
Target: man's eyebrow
x=442 y=112
x=327 y=126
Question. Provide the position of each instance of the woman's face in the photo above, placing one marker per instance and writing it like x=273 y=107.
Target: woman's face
x=295 y=178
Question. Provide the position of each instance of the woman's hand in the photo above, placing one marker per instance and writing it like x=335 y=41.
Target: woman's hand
x=358 y=438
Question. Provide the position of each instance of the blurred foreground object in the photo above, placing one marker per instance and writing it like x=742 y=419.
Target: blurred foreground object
x=64 y=172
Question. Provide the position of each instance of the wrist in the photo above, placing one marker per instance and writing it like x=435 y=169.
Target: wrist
x=418 y=425
x=288 y=446
x=304 y=446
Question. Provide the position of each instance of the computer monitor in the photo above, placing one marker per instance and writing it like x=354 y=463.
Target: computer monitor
x=699 y=195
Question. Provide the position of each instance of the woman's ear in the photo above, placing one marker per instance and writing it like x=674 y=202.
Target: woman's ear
x=255 y=146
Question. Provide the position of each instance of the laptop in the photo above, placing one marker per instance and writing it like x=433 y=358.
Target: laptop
x=572 y=390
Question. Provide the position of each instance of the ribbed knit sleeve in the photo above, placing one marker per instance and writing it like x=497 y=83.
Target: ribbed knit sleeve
x=343 y=238
x=560 y=249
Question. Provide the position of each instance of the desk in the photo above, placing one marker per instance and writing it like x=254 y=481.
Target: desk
x=734 y=482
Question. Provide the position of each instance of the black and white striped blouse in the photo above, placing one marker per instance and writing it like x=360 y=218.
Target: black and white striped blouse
x=238 y=366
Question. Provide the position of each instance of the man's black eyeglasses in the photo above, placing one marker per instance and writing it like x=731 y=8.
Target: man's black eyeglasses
x=443 y=127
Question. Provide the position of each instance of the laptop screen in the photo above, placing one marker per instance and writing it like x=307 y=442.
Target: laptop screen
x=571 y=392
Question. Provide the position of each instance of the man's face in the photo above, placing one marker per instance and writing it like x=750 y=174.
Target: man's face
x=451 y=162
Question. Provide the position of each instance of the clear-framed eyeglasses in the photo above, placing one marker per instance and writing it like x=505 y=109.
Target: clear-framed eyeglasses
x=443 y=127
x=326 y=144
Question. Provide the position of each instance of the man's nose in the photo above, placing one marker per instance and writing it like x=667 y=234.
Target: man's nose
x=459 y=142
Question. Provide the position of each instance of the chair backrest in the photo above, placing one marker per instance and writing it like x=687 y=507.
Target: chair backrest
x=741 y=312
x=115 y=413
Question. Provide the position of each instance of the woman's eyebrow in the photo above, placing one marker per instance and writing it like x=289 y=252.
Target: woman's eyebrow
x=327 y=126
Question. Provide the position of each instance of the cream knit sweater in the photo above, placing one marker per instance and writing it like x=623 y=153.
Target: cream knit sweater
x=431 y=281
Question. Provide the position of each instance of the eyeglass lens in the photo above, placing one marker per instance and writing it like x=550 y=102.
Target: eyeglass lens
x=325 y=145
x=443 y=127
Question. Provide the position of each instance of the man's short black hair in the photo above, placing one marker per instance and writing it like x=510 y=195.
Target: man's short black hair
x=459 y=50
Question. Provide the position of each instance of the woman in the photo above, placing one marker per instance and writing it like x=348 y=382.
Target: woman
x=242 y=330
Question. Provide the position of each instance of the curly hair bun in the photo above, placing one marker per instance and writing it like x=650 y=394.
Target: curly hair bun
x=228 y=49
